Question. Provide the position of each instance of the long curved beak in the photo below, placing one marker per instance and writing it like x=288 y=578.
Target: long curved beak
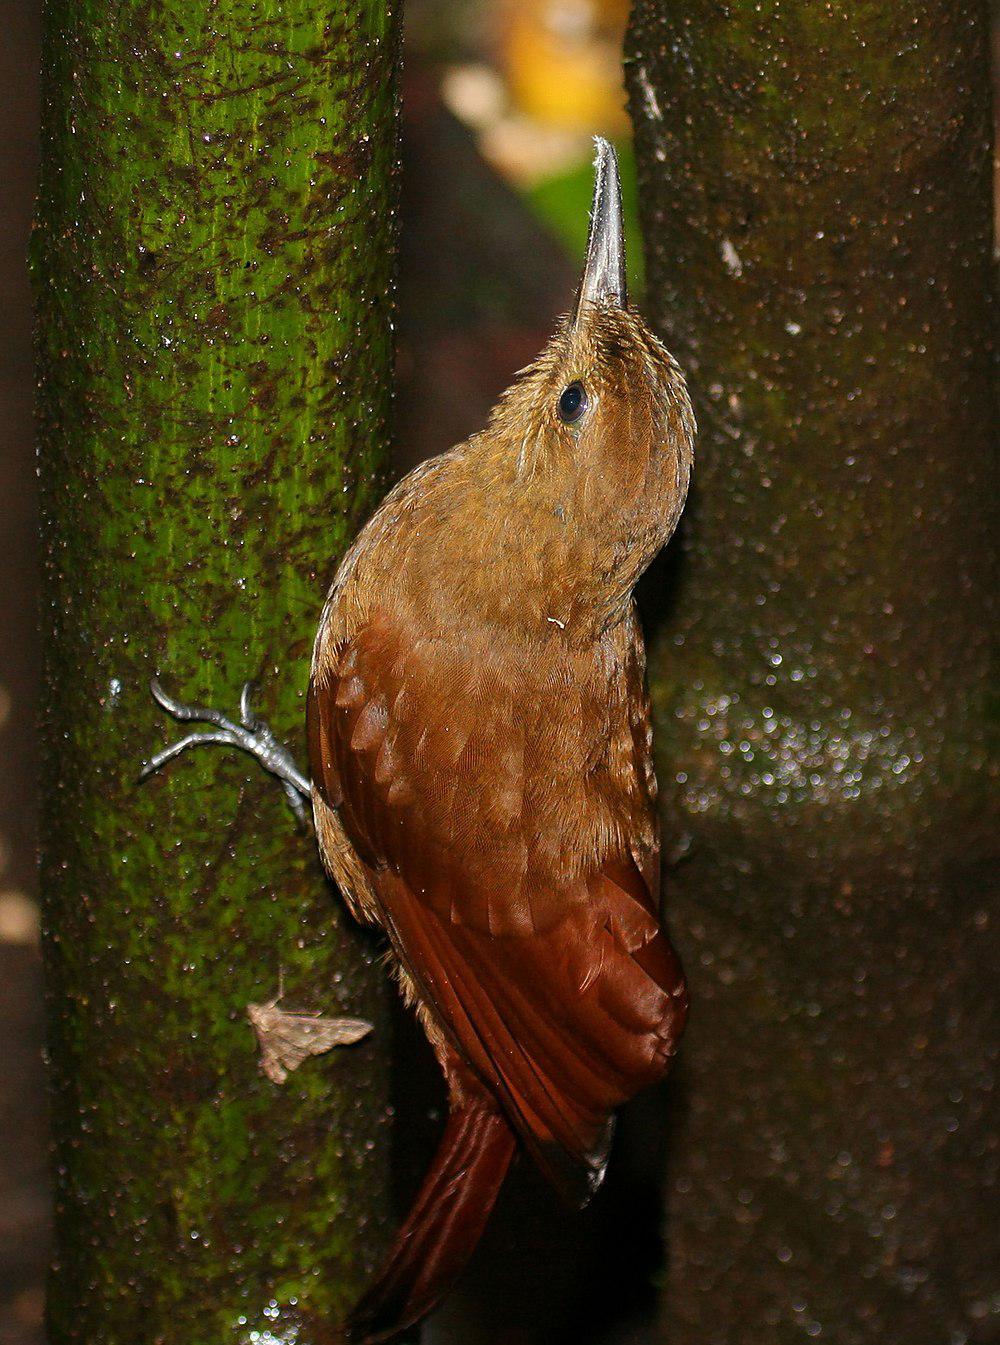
x=604 y=270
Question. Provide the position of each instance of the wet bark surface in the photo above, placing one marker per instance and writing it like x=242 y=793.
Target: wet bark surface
x=816 y=190
x=214 y=274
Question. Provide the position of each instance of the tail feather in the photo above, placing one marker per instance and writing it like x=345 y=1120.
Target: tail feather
x=443 y=1227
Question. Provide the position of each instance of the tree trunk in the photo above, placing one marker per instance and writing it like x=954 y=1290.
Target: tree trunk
x=816 y=188
x=214 y=272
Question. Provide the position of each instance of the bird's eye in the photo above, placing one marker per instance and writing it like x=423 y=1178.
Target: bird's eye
x=572 y=403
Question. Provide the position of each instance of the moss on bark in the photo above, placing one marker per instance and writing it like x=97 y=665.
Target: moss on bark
x=213 y=265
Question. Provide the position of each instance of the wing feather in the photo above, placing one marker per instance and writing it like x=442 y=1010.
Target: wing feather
x=535 y=945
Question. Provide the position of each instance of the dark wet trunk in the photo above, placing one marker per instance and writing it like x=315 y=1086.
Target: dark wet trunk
x=213 y=268
x=816 y=189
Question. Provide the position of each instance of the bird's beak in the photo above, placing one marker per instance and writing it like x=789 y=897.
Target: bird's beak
x=604 y=270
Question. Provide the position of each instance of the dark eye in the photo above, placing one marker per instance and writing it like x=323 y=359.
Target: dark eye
x=572 y=403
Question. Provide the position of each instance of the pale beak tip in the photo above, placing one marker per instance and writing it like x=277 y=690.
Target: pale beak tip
x=603 y=279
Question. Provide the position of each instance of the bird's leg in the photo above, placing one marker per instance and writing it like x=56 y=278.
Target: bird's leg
x=251 y=735
x=284 y=1039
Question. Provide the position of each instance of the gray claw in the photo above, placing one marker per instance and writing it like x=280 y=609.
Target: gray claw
x=296 y=801
x=247 y=716
x=251 y=735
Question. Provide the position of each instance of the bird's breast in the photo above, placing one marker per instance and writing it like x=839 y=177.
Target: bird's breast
x=503 y=764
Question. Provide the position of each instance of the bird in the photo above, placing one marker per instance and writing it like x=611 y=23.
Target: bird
x=482 y=779
x=482 y=774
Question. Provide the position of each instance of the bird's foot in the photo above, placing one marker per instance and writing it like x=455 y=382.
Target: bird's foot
x=251 y=735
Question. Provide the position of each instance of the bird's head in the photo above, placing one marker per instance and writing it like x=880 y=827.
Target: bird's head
x=598 y=433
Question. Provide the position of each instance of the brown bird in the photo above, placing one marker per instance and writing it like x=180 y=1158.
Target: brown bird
x=482 y=777
x=483 y=784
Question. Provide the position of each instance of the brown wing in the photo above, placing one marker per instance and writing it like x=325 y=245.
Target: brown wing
x=471 y=802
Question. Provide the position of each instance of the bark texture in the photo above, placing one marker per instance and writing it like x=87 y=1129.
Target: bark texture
x=213 y=266
x=816 y=188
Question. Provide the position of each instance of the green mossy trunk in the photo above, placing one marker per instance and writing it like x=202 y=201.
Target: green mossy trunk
x=815 y=181
x=213 y=266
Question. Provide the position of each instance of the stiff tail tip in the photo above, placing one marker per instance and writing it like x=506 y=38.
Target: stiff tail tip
x=443 y=1227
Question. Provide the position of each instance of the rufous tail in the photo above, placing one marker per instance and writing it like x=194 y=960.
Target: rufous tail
x=443 y=1227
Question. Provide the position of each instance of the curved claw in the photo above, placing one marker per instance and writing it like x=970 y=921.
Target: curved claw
x=296 y=801
x=251 y=735
x=247 y=717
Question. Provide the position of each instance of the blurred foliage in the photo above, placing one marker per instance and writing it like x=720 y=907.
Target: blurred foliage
x=562 y=61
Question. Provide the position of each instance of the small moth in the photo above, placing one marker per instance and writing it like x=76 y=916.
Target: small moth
x=286 y=1039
